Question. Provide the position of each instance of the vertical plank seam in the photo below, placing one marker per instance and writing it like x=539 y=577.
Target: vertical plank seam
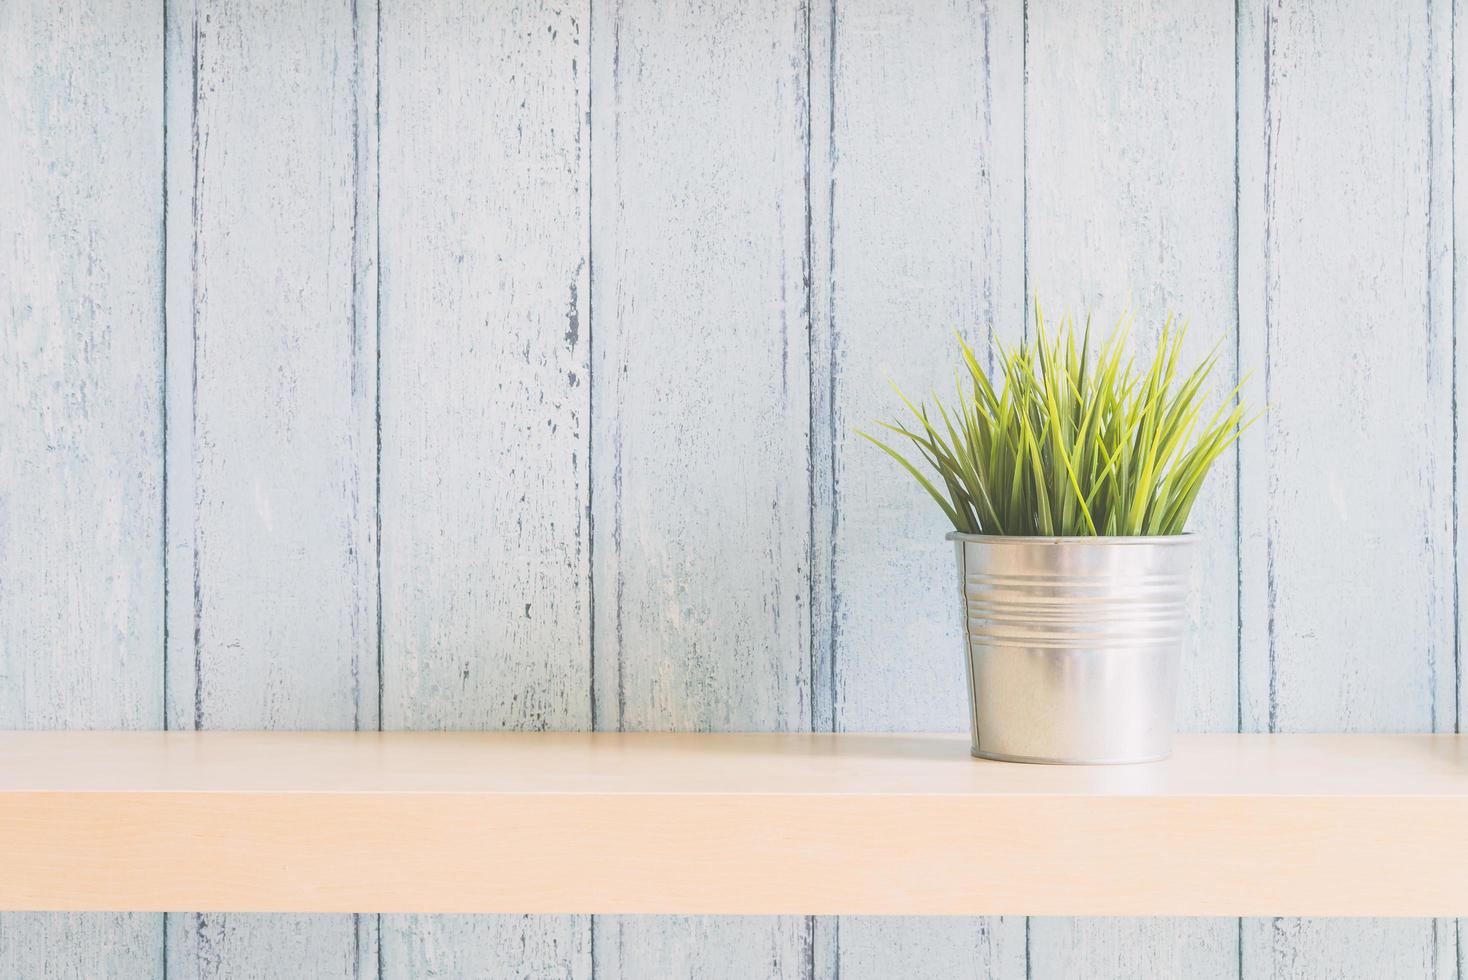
x=355 y=346
x=1266 y=91
x=617 y=431
x=1024 y=225
x=1239 y=947
x=987 y=187
x=1268 y=188
x=1431 y=321
x=836 y=946
x=1024 y=204
x=590 y=162
x=824 y=632
x=1238 y=370
x=377 y=379
x=163 y=377
x=195 y=218
x=810 y=363
x=1453 y=335
x=1237 y=454
x=810 y=440
x=377 y=326
x=163 y=411
x=1452 y=118
x=619 y=583
x=833 y=613
x=591 y=381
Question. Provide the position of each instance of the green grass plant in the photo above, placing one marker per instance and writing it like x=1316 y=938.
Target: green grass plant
x=1071 y=441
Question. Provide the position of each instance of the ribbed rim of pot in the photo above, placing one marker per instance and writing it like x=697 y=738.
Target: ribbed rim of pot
x=1187 y=537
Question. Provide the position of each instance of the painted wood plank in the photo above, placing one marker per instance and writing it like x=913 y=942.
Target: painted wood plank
x=922 y=232
x=486 y=611
x=1128 y=948
x=271 y=394
x=1130 y=206
x=81 y=945
x=1304 y=949
x=700 y=400
x=917 y=232
x=81 y=391
x=81 y=358
x=1459 y=192
x=1344 y=230
x=982 y=948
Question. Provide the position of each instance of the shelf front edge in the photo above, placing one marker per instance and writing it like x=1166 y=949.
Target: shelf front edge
x=778 y=853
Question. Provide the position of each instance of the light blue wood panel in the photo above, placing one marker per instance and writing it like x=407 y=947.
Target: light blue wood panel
x=81 y=411
x=1347 y=494
x=700 y=409
x=271 y=401
x=917 y=235
x=486 y=605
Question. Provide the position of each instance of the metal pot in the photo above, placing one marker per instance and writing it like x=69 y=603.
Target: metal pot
x=1073 y=645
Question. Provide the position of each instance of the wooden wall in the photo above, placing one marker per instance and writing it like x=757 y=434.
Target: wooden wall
x=451 y=364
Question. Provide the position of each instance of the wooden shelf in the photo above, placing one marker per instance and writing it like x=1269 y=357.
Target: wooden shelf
x=800 y=824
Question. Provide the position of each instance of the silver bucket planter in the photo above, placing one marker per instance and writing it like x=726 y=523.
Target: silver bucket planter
x=1073 y=645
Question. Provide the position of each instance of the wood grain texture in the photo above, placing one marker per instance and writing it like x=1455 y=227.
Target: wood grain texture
x=225 y=945
x=872 y=947
x=748 y=824
x=1130 y=206
x=81 y=945
x=1345 y=296
x=484 y=325
x=700 y=373
x=1305 y=949
x=917 y=233
x=702 y=946
x=81 y=430
x=1132 y=949
x=271 y=394
x=913 y=255
x=707 y=854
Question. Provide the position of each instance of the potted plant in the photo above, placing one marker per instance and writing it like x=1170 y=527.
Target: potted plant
x=1069 y=485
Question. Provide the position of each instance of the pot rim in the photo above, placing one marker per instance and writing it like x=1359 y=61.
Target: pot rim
x=1186 y=538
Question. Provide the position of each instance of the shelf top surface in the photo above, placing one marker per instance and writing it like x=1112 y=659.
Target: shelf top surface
x=604 y=763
